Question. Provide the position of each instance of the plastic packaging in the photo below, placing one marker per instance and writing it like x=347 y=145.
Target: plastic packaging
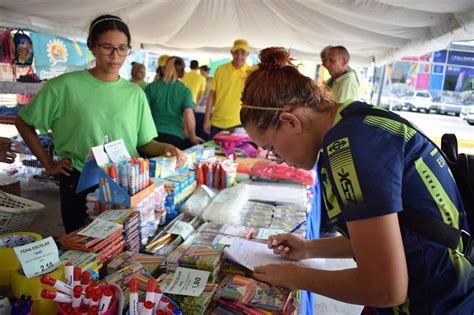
x=198 y=201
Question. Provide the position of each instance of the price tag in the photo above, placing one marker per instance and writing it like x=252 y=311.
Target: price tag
x=117 y=151
x=38 y=258
x=100 y=229
x=181 y=228
x=186 y=281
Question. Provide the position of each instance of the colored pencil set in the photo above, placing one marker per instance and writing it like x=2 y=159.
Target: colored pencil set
x=133 y=176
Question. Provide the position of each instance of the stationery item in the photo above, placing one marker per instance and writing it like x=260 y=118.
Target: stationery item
x=68 y=273
x=133 y=297
x=77 y=296
x=38 y=258
x=150 y=292
x=77 y=276
x=57 y=284
x=85 y=279
x=252 y=254
x=105 y=301
x=56 y=296
x=296 y=228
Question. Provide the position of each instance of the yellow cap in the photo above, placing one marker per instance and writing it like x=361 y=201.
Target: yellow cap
x=162 y=60
x=241 y=44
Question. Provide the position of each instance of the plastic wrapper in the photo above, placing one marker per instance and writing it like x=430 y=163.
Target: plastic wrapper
x=198 y=201
x=226 y=207
x=272 y=170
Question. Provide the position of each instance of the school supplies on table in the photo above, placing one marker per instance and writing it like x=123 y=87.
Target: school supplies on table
x=218 y=174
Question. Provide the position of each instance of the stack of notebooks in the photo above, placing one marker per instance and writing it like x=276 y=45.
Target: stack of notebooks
x=241 y=295
x=84 y=260
x=131 y=226
x=106 y=248
x=151 y=264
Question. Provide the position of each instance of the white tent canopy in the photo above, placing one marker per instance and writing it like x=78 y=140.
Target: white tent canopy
x=382 y=29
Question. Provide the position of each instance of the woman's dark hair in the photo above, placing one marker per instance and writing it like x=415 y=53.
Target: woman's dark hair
x=103 y=24
x=277 y=85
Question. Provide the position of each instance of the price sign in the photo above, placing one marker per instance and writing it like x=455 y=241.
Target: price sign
x=38 y=258
x=190 y=282
x=100 y=229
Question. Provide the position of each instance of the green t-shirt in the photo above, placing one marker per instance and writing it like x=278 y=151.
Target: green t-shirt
x=168 y=100
x=346 y=87
x=81 y=110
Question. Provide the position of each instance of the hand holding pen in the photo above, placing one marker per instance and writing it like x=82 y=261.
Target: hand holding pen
x=289 y=246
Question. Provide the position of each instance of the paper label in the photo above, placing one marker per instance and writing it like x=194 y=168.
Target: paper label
x=101 y=157
x=100 y=229
x=38 y=258
x=113 y=215
x=190 y=282
x=117 y=151
x=181 y=228
x=264 y=234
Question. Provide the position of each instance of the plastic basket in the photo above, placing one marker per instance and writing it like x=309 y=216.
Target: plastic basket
x=17 y=213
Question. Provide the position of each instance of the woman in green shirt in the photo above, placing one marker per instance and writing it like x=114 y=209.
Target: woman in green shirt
x=84 y=106
x=172 y=106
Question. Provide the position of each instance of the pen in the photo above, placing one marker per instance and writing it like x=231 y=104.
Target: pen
x=296 y=228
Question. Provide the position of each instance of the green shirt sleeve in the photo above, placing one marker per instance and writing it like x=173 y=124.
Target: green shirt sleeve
x=146 y=127
x=187 y=99
x=44 y=108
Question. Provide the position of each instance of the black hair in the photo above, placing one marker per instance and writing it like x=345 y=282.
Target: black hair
x=103 y=24
x=194 y=64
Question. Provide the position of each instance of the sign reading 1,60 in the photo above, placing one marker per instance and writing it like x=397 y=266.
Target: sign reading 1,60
x=196 y=283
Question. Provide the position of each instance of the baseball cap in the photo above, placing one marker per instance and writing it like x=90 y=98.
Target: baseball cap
x=241 y=44
x=162 y=60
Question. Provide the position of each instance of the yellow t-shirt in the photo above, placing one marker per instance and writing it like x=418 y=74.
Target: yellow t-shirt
x=195 y=82
x=228 y=84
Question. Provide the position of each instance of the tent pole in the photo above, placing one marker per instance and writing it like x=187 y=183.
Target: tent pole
x=382 y=81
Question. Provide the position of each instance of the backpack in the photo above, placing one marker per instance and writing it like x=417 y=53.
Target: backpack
x=236 y=142
x=462 y=169
x=6 y=49
x=23 y=48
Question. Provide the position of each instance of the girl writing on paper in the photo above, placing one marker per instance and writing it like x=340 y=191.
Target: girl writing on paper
x=82 y=107
x=371 y=169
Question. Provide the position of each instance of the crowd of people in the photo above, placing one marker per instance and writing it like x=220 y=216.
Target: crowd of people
x=370 y=168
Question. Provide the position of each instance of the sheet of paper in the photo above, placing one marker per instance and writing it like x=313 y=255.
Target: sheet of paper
x=187 y=281
x=264 y=234
x=112 y=215
x=117 y=151
x=38 y=258
x=100 y=156
x=100 y=229
x=181 y=228
x=252 y=254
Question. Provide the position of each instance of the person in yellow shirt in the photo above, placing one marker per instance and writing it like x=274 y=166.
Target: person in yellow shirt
x=226 y=90
x=195 y=82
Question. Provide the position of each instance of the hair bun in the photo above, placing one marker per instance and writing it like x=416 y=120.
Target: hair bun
x=274 y=58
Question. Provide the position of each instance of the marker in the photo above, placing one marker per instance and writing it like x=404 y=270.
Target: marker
x=77 y=296
x=68 y=273
x=164 y=303
x=160 y=312
x=96 y=297
x=56 y=296
x=57 y=284
x=158 y=295
x=150 y=291
x=105 y=301
x=170 y=308
x=88 y=297
x=133 y=297
x=93 y=310
x=85 y=279
x=147 y=308
x=77 y=276
x=84 y=309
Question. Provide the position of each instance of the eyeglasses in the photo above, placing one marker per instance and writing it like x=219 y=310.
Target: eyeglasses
x=271 y=155
x=107 y=49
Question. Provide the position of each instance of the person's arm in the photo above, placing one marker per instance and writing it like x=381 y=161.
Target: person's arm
x=31 y=139
x=381 y=276
x=209 y=107
x=155 y=148
x=6 y=154
x=199 y=98
x=190 y=123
